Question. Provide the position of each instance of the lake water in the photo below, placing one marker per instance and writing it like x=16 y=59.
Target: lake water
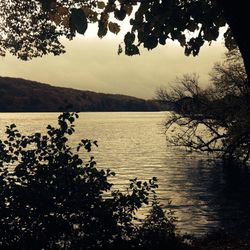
x=204 y=195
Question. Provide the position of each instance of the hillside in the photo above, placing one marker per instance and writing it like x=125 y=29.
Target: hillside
x=19 y=95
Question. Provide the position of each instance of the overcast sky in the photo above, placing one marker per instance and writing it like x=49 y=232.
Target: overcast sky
x=93 y=64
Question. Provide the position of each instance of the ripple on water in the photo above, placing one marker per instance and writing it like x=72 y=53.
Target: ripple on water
x=204 y=196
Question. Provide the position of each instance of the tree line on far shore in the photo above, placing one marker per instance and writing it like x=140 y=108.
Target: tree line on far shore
x=19 y=95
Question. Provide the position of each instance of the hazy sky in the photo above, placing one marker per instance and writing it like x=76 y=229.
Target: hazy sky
x=93 y=64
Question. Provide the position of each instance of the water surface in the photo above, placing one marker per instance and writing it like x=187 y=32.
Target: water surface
x=204 y=195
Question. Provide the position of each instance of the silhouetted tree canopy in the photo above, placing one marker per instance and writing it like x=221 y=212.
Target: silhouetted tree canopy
x=33 y=28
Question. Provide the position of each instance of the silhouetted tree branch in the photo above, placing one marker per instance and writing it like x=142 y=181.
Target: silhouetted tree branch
x=215 y=119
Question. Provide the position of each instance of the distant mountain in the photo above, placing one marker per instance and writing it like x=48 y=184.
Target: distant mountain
x=20 y=95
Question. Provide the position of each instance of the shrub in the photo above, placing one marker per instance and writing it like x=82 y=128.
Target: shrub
x=51 y=199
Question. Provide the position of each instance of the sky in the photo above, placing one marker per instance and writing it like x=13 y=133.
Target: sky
x=92 y=64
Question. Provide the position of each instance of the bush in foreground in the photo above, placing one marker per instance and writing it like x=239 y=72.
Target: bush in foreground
x=51 y=199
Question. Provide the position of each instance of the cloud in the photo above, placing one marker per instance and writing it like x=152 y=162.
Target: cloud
x=93 y=64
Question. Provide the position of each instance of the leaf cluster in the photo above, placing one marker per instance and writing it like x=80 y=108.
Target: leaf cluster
x=33 y=28
x=191 y=23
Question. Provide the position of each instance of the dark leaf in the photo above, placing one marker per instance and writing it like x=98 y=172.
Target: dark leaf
x=78 y=21
x=150 y=42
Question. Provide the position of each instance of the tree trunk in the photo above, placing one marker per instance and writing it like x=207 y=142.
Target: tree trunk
x=237 y=16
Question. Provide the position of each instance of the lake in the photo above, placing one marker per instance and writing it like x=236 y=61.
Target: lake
x=205 y=196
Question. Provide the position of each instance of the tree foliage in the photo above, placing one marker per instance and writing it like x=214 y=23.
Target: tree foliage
x=51 y=199
x=215 y=119
x=33 y=28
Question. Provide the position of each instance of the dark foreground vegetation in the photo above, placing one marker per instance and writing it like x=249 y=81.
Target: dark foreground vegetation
x=51 y=199
x=222 y=241
x=19 y=95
